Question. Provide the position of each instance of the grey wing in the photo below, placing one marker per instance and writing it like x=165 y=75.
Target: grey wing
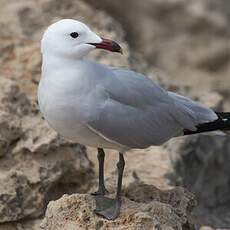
x=136 y=112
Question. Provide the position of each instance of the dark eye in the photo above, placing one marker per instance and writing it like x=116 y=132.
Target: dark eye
x=74 y=34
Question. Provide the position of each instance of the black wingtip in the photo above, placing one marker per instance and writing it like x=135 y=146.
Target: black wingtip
x=222 y=124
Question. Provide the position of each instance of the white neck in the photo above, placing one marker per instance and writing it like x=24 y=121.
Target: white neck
x=55 y=62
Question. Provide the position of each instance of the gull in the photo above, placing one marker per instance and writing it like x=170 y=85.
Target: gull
x=110 y=108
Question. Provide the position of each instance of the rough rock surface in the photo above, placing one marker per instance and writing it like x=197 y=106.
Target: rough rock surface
x=154 y=209
x=36 y=165
x=22 y=225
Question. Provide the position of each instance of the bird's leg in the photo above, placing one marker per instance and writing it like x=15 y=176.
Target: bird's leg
x=107 y=207
x=101 y=186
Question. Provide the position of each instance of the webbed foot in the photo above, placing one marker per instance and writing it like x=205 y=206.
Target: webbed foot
x=107 y=207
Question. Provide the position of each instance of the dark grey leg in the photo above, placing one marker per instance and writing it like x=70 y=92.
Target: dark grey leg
x=101 y=185
x=120 y=169
x=110 y=208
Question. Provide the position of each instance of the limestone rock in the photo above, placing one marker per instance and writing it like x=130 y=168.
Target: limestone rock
x=156 y=210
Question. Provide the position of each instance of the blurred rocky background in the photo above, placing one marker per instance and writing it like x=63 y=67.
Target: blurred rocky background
x=184 y=46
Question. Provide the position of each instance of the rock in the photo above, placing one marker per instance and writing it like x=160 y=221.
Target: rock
x=156 y=209
x=36 y=165
x=23 y=225
x=207 y=228
x=202 y=165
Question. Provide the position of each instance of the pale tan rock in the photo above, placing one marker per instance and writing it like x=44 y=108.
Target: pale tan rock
x=161 y=211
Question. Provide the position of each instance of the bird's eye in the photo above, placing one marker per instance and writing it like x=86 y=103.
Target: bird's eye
x=74 y=34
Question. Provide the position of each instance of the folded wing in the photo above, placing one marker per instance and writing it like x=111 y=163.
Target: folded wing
x=137 y=113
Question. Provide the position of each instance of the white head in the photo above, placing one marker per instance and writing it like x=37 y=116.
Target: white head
x=73 y=39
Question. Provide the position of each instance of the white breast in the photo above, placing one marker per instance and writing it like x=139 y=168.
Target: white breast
x=65 y=107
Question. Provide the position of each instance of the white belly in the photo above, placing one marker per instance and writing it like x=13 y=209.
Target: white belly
x=67 y=120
